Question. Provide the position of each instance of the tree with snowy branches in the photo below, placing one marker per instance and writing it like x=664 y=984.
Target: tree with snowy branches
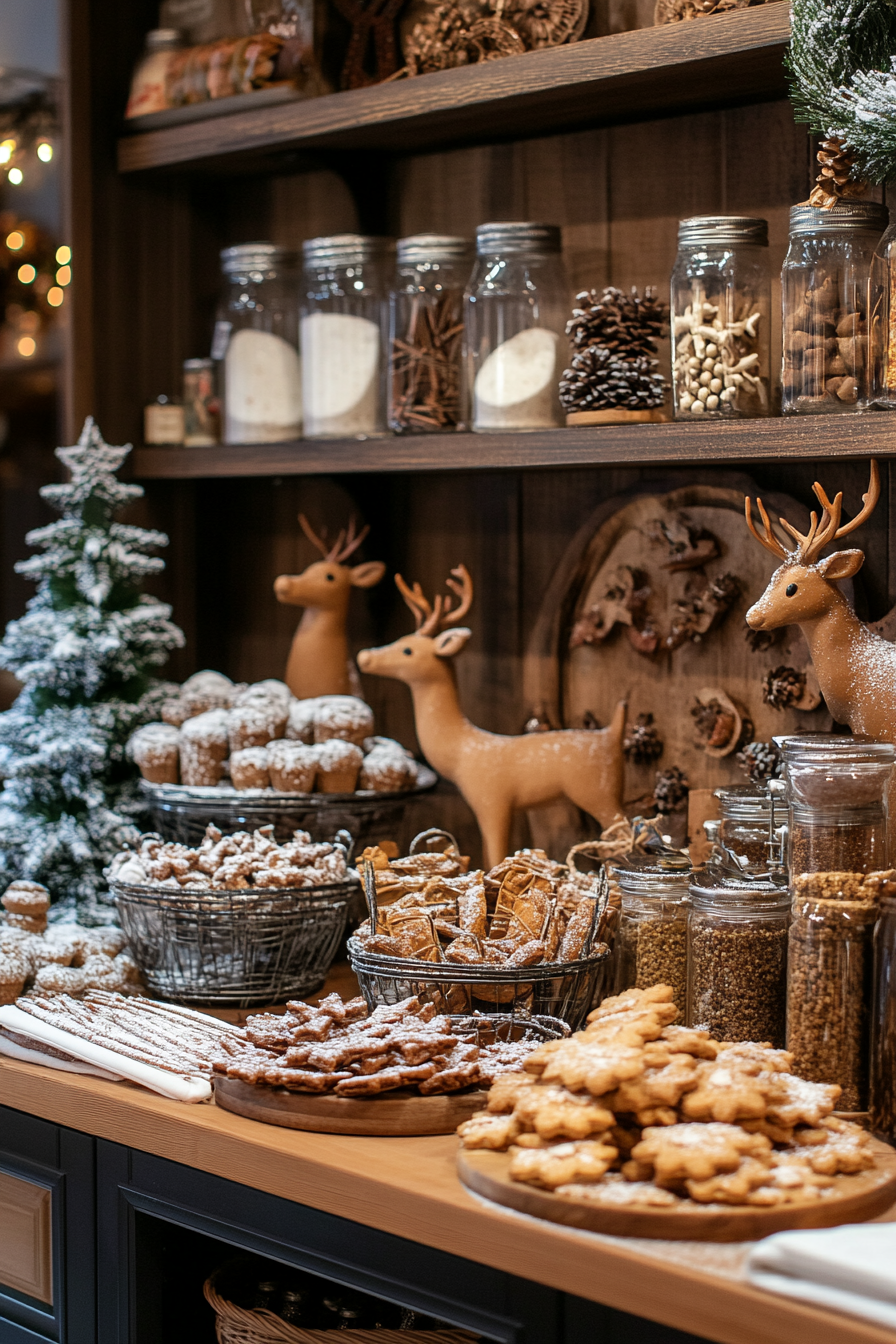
x=84 y=653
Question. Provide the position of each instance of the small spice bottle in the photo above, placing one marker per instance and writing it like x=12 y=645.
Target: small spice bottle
x=257 y=346
x=721 y=302
x=883 y=1017
x=515 y=347
x=345 y=330
x=737 y=958
x=201 y=408
x=829 y=977
x=426 y=325
x=651 y=936
x=836 y=791
x=827 y=300
x=748 y=827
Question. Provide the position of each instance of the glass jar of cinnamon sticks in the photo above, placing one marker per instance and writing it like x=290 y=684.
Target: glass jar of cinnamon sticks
x=425 y=333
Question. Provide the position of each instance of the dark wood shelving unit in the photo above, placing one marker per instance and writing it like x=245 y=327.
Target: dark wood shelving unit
x=725 y=60
x=608 y=446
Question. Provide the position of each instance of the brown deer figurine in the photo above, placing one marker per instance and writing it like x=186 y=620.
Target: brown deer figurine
x=495 y=774
x=856 y=669
x=319 y=659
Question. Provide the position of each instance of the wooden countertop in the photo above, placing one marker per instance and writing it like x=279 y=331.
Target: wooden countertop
x=408 y=1186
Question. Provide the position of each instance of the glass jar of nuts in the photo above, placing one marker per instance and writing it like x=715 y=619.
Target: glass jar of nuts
x=827 y=298
x=721 y=302
x=651 y=937
x=883 y=1019
x=737 y=958
x=836 y=789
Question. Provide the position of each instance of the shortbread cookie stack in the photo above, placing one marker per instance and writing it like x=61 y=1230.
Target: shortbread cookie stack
x=636 y=1111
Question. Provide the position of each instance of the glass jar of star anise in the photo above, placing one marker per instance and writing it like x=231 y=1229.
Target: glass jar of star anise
x=426 y=327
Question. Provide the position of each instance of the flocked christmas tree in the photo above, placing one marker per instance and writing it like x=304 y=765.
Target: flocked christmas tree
x=84 y=651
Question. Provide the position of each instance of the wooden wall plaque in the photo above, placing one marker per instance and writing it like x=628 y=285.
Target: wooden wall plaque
x=26 y=1243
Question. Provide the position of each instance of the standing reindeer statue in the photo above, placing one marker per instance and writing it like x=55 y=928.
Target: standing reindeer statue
x=319 y=660
x=856 y=668
x=495 y=774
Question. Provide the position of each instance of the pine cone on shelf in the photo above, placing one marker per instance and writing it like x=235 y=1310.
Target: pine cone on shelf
x=783 y=687
x=761 y=761
x=671 y=790
x=837 y=180
x=614 y=335
x=642 y=744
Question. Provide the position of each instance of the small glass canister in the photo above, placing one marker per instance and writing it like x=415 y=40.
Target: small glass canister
x=721 y=304
x=345 y=329
x=256 y=340
x=651 y=937
x=829 y=977
x=426 y=326
x=748 y=827
x=515 y=345
x=836 y=790
x=883 y=1018
x=737 y=958
x=827 y=297
x=200 y=402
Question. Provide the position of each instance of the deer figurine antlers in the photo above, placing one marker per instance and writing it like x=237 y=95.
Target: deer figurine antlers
x=856 y=669
x=318 y=659
x=494 y=773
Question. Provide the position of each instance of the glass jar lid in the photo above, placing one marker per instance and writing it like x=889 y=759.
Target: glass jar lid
x=837 y=749
x=346 y=249
x=653 y=874
x=518 y=237
x=163 y=39
x=722 y=230
x=743 y=803
x=421 y=248
x=250 y=258
x=710 y=890
x=844 y=217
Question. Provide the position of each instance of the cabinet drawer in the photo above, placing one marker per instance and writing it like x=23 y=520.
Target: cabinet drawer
x=26 y=1237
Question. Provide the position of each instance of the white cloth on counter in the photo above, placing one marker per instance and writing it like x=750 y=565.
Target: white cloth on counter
x=14 y=1051
x=850 y=1268
x=177 y=1086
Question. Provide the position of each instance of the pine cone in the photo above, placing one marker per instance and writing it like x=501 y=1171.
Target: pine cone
x=624 y=323
x=597 y=379
x=643 y=744
x=671 y=790
x=761 y=761
x=837 y=180
x=783 y=687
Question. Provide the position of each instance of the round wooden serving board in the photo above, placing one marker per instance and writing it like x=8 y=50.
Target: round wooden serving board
x=394 y=1113
x=855 y=1199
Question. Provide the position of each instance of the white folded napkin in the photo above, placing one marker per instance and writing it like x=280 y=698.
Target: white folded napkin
x=14 y=1051
x=850 y=1268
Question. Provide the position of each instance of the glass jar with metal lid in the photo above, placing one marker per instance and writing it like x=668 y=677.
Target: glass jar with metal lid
x=751 y=828
x=836 y=789
x=257 y=346
x=883 y=1020
x=515 y=345
x=721 y=305
x=426 y=324
x=737 y=958
x=344 y=331
x=651 y=936
x=827 y=300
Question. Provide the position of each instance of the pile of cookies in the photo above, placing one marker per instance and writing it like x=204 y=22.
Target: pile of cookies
x=262 y=737
x=338 y=1047
x=526 y=911
x=61 y=959
x=636 y=1111
x=231 y=862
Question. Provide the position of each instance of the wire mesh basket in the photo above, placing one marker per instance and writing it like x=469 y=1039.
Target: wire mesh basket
x=491 y=1028
x=566 y=990
x=234 y=948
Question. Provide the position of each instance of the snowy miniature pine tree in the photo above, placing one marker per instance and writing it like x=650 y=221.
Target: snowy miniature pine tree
x=84 y=651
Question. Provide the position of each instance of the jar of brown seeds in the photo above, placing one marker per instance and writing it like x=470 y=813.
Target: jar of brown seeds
x=737 y=958
x=747 y=827
x=836 y=793
x=651 y=938
x=883 y=1021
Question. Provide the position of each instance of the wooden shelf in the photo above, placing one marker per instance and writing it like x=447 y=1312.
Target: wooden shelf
x=722 y=60
x=616 y=445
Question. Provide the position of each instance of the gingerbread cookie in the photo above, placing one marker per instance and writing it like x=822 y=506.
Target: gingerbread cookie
x=581 y=1162
x=696 y=1152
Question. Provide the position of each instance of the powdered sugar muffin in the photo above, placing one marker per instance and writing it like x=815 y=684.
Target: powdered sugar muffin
x=154 y=750
x=344 y=717
x=387 y=769
x=300 y=723
x=255 y=722
x=293 y=766
x=339 y=763
x=250 y=768
x=203 y=748
x=26 y=905
x=13 y=974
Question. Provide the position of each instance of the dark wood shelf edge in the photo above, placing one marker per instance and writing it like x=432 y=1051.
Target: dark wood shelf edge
x=607 y=446
x=719 y=60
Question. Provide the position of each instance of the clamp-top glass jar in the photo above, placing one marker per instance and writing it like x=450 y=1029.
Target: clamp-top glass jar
x=836 y=789
x=651 y=937
x=748 y=827
x=827 y=298
x=721 y=303
x=514 y=327
x=257 y=342
x=344 y=330
x=426 y=325
x=883 y=1018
